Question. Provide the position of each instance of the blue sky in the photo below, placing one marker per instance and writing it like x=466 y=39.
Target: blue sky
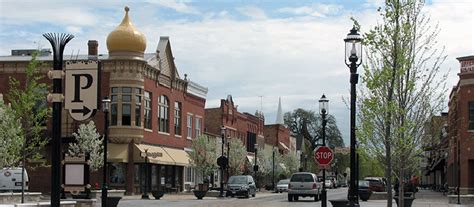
x=256 y=51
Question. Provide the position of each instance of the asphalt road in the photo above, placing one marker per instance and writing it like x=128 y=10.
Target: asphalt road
x=271 y=200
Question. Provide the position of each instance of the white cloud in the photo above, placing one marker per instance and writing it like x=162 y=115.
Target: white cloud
x=252 y=12
x=315 y=10
x=179 y=6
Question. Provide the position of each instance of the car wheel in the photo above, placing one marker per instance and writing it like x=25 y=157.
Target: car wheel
x=290 y=198
x=253 y=195
x=296 y=198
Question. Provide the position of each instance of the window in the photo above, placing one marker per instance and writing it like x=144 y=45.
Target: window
x=138 y=107
x=198 y=126
x=163 y=114
x=126 y=106
x=251 y=140
x=190 y=125
x=471 y=115
x=177 y=118
x=189 y=175
x=147 y=110
x=113 y=106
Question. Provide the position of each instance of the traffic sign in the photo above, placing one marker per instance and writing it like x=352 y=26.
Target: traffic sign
x=81 y=91
x=323 y=156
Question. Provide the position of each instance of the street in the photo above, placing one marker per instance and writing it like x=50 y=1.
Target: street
x=262 y=199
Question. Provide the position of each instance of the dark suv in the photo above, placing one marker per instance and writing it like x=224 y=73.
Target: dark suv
x=241 y=185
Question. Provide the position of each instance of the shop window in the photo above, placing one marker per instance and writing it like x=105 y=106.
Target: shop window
x=163 y=114
x=114 y=106
x=147 y=110
x=177 y=118
x=117 y=173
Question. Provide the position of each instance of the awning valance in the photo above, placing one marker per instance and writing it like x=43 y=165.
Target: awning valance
x=179 y=156
x=117 y=152
x=250 y=159
x=157 y=154
x=283 y=146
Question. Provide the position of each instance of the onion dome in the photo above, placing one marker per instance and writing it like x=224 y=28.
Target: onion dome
x=126 y=38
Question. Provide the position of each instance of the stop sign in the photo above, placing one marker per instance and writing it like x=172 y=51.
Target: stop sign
x=323 y=155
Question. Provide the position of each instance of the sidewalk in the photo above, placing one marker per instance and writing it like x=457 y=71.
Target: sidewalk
x=185 y=196
x=424 y=198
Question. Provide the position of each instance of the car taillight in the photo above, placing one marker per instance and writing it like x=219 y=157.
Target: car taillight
x=289 y=186
x=315 y=186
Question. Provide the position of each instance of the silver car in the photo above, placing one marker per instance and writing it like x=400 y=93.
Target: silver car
x=304 y=184
x=282 y=185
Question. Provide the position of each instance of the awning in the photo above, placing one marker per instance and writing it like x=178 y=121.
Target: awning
x=117 y=152
x=283 y=145
x=157 y=154
x=179 y=156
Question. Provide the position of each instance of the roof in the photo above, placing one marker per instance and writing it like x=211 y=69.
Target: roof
x=470 y=57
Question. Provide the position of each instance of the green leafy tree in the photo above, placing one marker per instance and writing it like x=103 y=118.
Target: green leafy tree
x=402 y=87
x=309 y=125
x=89 y=142
x=291 y=163
x=237 y=156
x=10 y=140
x=203 y=156
x=28 y=104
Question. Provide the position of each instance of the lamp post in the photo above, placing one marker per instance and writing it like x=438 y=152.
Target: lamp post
x=273 y=168
x=105 y=108
x=145 y=190
x=255 y=167
x=323 y=111
x=221 y=194
x=353 y=58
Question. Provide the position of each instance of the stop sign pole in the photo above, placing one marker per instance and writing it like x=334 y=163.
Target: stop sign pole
x=323 y=155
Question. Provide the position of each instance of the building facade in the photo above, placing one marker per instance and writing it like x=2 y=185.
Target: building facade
x=460 y=162
x=153 y=109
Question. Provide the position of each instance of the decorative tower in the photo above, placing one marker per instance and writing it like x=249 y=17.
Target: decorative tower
x=279 y=118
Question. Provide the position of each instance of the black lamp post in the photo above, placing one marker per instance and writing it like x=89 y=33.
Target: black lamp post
x=145 y=190
x=255 y=167
x=323 y=111
x=273 y=169
x=221 y=194
x=353 y=59
x=105 y=108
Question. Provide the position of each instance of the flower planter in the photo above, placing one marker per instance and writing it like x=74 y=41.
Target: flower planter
x=157 y=194
x=364 y=195
x=113 y=201
x=407 y=201
x=339 y=203
x=199 y=193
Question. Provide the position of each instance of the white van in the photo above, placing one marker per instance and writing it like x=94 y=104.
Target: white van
x=10 y=179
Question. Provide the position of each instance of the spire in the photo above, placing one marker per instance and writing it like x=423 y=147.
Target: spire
x=279 y=119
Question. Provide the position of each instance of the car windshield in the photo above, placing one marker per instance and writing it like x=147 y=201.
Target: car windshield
x=238 y=180
x=302 y=178
x=363 y=183
x=283 y=181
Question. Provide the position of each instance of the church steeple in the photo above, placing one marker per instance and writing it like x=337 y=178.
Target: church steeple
x=279 y=119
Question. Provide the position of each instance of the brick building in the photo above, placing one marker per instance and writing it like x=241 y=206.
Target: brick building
x=153 y=108
x=461 y=129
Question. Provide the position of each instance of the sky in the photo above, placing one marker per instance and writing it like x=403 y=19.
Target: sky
x=256 y=51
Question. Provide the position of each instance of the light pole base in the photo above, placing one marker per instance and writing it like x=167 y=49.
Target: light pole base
x=145 y=196
x=324 y=198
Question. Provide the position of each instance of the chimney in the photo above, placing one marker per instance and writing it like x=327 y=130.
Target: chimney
x=93 y=47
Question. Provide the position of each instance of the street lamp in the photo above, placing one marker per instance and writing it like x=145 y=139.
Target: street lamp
x=145 y=191
x=105 y=108
x=323 y=111
x=222 y=164
x=353 y=59
x=255 y=167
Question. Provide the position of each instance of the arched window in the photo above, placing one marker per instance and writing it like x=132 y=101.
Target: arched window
x=163 y=114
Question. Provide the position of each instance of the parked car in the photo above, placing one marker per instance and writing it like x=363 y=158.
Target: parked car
x=282 y=185
x=10 y=179
x=304 y=184
x=376 y=184
x=241 y=185
x=333 y=180
x=328 y=183
x=341 y=183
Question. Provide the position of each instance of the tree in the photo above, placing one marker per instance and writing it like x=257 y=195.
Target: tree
x=90 y=144
x=237 y=156
x=10 y=140
x=203 y=156
x=401 y=87
x=309 y=125
x=291 y=163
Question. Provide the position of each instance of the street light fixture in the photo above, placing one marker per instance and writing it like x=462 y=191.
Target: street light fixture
x=353 y=59
x=323 y=111
x=222 y=164
x=105 y=108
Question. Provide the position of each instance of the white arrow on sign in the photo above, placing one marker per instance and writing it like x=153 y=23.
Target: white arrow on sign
x=81 y=90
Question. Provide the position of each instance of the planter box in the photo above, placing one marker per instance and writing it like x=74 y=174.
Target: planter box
x=157 y=194
x=199 y=194
x=339 y=203
x=407 y=201
x=364 y=195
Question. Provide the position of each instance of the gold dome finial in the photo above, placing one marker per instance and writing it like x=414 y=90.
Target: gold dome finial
x=126 y=38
